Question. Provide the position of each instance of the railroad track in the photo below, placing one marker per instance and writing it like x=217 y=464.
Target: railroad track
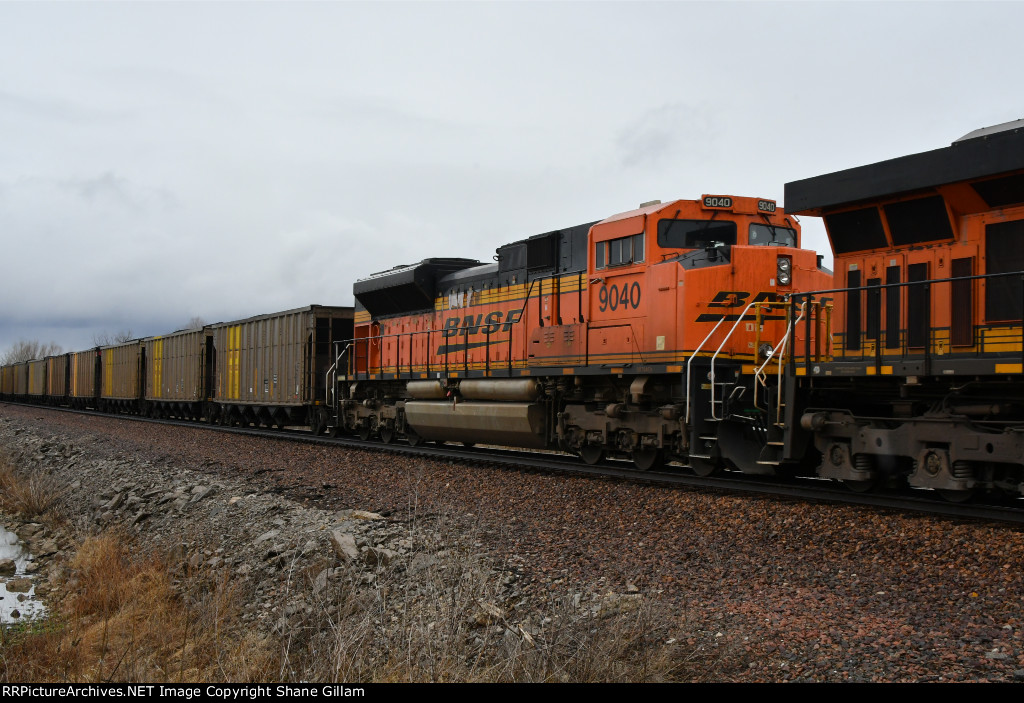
x=809 y=489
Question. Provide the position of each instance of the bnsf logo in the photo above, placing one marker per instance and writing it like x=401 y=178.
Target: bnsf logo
x=740 y=299
x=473 y=324
x=736 y=298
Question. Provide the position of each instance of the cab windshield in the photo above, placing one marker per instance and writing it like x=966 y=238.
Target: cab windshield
x=771 y=236
x=695 y=234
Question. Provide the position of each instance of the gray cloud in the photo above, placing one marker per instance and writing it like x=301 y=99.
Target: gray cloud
x=666 y=133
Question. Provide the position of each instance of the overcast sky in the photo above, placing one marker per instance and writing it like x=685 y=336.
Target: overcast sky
x=161 y=161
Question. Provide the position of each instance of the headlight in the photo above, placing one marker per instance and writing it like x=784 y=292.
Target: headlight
x=784 y=267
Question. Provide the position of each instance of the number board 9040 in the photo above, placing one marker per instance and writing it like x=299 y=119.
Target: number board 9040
x=719 y=202
x=766 y=206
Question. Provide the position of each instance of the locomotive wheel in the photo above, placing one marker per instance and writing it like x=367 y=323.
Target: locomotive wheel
x=705 y=467
x=957 y=496
x=319 y=423
x=864 y=486
x=647 y=459
x=387 y=434
x=591 y=454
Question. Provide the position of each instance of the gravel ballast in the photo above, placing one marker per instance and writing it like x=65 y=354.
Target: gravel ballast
x=794 y=591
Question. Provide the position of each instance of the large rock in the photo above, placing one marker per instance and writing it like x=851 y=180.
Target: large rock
x=378 y=556
x=7 y=567
x=344 y=546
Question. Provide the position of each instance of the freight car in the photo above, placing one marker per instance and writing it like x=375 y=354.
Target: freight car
x=84 y=382
x=58 y=374
x=178 y=373
x=653 y=334
x=272 y=369
x=121 y=373
x=926 y=382
x=19 y=380
x=7 y=382
x=36 y=388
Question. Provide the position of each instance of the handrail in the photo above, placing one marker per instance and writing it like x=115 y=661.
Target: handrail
x=332 y=381
x=721 y=346
x=780 y=352
x=926 y=284
x=690 y=361
x=329 y=384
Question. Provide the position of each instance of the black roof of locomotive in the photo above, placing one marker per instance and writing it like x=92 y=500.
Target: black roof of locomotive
x=982 y=153
x=407 y=287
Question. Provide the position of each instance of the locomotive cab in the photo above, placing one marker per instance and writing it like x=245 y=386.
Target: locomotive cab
x=664 y=272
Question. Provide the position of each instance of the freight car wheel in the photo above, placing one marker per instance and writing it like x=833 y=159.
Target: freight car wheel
x=412 y=438
x=591 y=454
x=647 y=459
x=387 y=434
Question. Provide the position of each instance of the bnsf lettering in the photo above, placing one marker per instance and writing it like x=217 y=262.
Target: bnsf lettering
x=473 y=324
x=737 y=298
x=493 y=322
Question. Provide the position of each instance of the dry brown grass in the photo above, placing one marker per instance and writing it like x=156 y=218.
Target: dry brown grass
x=122 y=619
x=29 y=494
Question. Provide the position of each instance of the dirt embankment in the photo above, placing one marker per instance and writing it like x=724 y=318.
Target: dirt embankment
x=288 y=590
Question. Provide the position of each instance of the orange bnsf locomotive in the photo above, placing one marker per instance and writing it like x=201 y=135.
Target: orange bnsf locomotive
x=926 y=382
x=655 y=334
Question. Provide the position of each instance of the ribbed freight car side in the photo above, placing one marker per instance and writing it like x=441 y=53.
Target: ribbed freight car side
x=85 y=378
x=178 y=373
x=57 y=376
x=6 y=381
x=271 y=369
x=36 y=379
x=121 y=374
x=21 y=380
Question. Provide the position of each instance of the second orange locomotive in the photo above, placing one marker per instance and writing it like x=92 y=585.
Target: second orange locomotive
x=637 y=336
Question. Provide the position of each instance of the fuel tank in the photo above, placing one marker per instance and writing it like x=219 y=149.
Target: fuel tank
x=512 y=424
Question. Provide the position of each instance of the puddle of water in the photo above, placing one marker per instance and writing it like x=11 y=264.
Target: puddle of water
x=26 y=604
